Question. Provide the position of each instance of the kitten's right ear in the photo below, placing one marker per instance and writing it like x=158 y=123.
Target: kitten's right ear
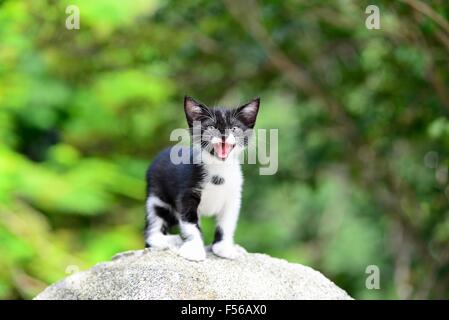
x=193 y=109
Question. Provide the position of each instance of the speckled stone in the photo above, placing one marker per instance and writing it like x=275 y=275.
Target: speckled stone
x=152 y=274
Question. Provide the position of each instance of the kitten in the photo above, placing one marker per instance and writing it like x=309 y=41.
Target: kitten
x=177 y=194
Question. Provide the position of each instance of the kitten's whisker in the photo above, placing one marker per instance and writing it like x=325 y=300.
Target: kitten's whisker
x=210 y=114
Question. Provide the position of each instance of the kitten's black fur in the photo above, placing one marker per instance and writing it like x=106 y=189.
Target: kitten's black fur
x=174 y=191
x=176 y=185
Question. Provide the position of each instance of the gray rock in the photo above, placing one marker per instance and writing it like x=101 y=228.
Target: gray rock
x=151 y=274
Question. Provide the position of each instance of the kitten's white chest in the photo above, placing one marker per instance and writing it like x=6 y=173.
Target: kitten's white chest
x=215 y=197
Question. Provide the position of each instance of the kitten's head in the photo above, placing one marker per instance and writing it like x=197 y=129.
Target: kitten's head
x=223 y=131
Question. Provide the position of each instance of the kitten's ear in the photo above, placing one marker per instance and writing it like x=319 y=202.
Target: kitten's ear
x=248 y=112
x=193 y=109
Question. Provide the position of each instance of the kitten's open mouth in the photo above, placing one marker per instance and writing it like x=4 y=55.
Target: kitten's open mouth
x=222 y=149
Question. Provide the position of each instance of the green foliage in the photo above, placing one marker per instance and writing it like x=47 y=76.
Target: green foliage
x=82 y=113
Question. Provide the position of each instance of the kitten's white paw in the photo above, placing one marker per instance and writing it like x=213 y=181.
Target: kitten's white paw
x=227 y=250
x=162 y=241
x=192 y=250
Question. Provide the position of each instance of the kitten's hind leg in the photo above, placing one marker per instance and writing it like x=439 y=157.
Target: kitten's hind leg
x=158 y=218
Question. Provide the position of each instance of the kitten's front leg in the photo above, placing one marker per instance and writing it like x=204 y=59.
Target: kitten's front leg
x=193 y=246
x=223 y=245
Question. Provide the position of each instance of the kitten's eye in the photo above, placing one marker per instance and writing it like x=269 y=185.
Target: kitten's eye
x=210 y=128
x=234 y=129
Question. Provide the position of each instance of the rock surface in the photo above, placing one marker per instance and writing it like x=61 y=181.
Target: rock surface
x=151 y=274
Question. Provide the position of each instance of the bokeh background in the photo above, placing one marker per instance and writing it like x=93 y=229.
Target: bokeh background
x=362 y=118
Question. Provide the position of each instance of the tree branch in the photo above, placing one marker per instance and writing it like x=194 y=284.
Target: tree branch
x=427 y=10
x=247 y=14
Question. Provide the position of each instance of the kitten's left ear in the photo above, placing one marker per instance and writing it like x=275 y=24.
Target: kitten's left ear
x=248 y=112
x=193 y=109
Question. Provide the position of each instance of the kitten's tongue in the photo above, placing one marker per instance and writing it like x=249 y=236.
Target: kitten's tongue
x=222 y=150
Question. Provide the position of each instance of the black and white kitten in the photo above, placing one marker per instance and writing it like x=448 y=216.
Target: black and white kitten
x=177 y=194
